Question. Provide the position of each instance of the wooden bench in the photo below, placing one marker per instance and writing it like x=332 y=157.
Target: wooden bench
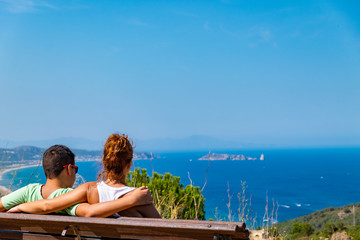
x=28 y=226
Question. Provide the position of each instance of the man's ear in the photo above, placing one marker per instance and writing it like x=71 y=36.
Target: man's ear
x=68 y=170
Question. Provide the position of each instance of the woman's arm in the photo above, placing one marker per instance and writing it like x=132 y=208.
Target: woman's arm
x=139 y=196
x=56 y=204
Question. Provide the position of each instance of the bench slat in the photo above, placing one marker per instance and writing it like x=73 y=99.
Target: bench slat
x=123 y=227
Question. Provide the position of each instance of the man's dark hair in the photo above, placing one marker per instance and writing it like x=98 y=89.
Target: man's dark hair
x=55 y=158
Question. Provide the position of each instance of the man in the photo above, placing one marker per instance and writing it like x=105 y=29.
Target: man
x=60 y=171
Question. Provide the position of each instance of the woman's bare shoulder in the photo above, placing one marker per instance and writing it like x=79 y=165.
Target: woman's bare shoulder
x=86 y=186
x=91 y=184
x=92 y=192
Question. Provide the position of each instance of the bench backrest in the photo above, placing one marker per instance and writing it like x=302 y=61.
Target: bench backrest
x=21 y=226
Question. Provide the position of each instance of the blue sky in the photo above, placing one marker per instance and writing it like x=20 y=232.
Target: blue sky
x=260 y=71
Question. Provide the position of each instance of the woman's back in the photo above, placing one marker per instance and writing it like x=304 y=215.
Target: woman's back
x=102 y=192
x=117 y=161
x=108 y=191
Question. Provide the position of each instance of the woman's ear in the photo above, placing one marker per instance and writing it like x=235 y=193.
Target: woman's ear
x=129 y=166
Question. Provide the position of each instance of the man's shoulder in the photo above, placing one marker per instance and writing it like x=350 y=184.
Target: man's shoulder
x=30 y=188
x=33 y=186
x=60 y=191
x=27 y=193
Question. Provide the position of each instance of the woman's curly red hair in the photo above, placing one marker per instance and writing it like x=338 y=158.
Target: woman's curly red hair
x=118 y=153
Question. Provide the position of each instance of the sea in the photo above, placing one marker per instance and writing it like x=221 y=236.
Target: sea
x=289 y=182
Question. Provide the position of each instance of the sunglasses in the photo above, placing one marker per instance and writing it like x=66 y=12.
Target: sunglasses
x=73 y=166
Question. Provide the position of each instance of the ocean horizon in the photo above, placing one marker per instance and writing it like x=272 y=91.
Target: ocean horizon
x=299 y=181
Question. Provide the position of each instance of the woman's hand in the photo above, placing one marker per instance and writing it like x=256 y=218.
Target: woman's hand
x=140 y=196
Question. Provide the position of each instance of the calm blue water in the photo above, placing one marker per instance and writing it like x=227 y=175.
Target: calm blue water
x=300 y=180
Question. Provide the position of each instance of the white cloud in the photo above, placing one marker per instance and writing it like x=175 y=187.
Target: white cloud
x=207 y=26
x=185 y=14
x=265 y=35
x=258 y=36
x=24 y=6
x=254 y=36
x=230 y=33
x=137 y=22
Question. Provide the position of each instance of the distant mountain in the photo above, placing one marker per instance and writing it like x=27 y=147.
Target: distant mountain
x=71 y=142
x=196 y=142
x=24 y=154
x=11 y=155
x=192 y=143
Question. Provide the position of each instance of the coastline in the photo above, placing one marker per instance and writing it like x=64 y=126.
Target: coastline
x=14 y=168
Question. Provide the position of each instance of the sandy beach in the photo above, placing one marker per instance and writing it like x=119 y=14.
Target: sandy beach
x=15 y=167
x=4 y=190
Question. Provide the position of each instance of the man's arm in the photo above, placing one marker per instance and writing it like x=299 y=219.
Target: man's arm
x=56 y=204
x=2 y=209
x=137 y=197
x=13 y=199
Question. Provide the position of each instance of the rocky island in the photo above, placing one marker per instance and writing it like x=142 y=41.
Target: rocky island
x=232 y=157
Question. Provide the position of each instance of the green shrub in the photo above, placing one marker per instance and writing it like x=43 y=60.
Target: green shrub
x=353 y=231
x=329 y=229
x=301 y=230
x=274 y=233
x=340 y=226
x=171 y=199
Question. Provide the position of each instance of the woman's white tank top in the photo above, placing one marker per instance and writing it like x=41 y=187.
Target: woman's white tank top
x=107 y=193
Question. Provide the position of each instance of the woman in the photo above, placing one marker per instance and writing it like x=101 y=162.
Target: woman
x=117 y=160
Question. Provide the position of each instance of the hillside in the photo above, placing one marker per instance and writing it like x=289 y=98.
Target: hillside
x=30 y=154
x=319 y=218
